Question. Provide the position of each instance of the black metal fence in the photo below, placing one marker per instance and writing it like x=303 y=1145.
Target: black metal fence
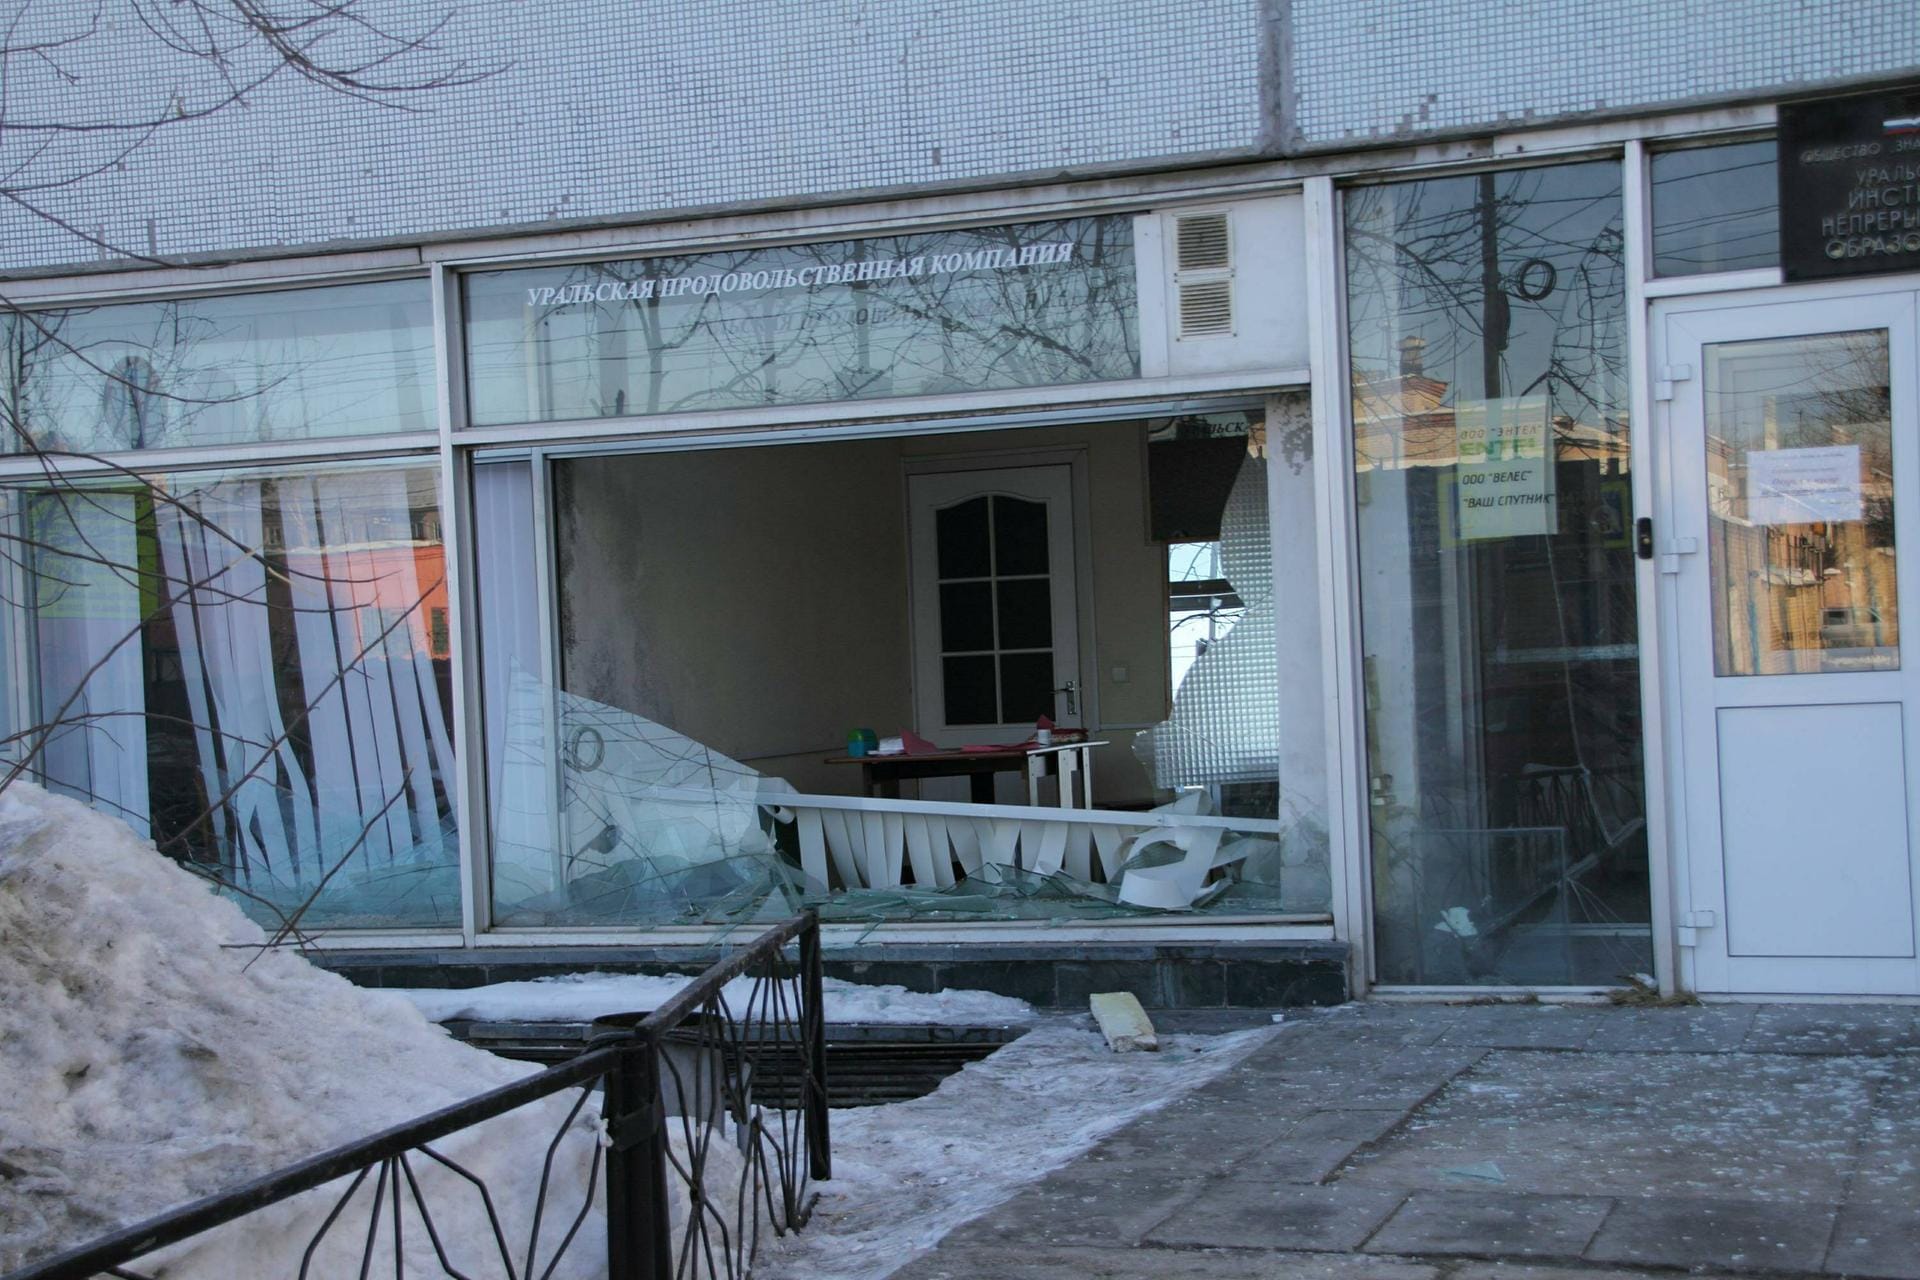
x=711 y=1127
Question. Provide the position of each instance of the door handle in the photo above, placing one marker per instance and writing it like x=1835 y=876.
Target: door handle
x=1073 y=697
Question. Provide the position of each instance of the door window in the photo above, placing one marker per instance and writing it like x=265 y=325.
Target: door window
x=1800 y=532
x=996 y=610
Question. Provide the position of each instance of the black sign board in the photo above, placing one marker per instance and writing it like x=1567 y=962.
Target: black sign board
x=1850 y=185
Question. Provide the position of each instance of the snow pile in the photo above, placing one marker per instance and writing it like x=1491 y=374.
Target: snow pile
x=582 y=997
x=152 y=1054
x=907 y=1174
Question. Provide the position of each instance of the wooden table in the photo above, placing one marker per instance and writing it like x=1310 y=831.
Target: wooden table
x=883 y=775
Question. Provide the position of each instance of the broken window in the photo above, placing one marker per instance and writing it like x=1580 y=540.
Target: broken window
x=729 y=620
x=244 y=666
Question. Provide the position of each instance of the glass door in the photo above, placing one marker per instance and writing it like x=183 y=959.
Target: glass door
x=1792 y=450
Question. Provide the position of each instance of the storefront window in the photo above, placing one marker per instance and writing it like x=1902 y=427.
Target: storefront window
x=1031 y=305
x=1716 y=209
x=253 y=669
x=730 y=620
x=348 y=360
x=1497 y=578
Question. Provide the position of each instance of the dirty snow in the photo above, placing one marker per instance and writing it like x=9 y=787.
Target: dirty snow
x=907 y=1174
x=154 y=1053
x=582 y=997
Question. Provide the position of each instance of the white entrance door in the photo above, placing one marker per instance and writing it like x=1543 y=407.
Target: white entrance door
x=1794 y=455
x=995 y=614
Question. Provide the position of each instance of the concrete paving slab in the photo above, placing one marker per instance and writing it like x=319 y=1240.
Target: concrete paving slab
x=1709 y=1029
x=1887 y=1162
x=1731 y=1235
x=1505 y=1270
x=1747 y=1127
x=1729 y=1136
x=1193 y=1136
x=1355 y=1126
x=1247 y=1212
x=1834 y=1029
x=1492 y=1225
x=1304 y=1161
x=1106 y=1212
x=1519 y=1026
x=1156 y=1264
x=1882 y=1241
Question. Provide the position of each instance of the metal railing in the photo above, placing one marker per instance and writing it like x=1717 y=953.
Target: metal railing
x=694 y=1166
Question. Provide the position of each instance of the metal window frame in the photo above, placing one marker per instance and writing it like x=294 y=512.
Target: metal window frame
x=1318 y=178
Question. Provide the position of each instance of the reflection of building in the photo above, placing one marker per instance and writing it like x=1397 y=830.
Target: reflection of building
x=523 y=551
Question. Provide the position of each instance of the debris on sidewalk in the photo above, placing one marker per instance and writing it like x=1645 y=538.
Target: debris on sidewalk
x=1123 y=1022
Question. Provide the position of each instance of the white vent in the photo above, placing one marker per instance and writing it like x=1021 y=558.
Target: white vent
x=1203 y=274
x=1200 y=243
x=1206 y=308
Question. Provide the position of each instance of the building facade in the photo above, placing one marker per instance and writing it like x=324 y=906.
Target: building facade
x=1420 y=484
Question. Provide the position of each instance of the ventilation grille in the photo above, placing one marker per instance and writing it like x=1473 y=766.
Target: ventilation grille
x=1203 y=274
x=1201 y=242
x=1206 y=308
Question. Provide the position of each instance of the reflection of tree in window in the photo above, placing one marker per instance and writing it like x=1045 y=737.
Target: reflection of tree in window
x=1502 y=662
x=128 y=420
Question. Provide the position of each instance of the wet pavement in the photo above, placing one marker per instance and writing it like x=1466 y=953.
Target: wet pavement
x=1501 y=1142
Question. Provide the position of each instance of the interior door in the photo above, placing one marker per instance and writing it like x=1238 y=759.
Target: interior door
x=1794 y=457
x=995 y=610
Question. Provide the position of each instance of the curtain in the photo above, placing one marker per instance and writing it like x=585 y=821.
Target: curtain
x=86 y=621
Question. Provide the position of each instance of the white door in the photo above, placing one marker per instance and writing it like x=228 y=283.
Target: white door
x=995 y=615
x=1794 y=456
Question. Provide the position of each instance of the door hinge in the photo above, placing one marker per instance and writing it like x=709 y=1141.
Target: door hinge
x=1666 y=376
x=1691 y=923
x=1670 y=559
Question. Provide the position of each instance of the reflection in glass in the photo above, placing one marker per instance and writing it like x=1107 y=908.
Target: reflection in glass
x=1800 y=505
x=726 y=616
x=347 y=360
x=253 y=667
x=1028 y=305
x=1716 y=209
x=1497 y=582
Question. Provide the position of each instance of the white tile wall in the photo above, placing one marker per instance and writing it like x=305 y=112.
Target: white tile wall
x=604 y=108
x=1380 y=70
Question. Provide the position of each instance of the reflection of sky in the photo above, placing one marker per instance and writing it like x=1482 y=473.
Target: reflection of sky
x=1190 y=631
x=297 y=364
x=1418 y=263
x=954 y=331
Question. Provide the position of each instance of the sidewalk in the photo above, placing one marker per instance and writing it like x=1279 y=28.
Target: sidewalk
x=1473 y=1142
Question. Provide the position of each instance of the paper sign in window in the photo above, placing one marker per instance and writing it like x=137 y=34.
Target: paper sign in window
x=1804 y=486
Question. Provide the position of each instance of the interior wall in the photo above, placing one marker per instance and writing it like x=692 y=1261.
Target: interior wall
x=752 y=599
x=1129 y=585
x=659 y=552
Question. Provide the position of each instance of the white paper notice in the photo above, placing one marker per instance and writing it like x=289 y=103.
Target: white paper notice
x=1507 y=499
x=1802 y=486
x=1504 y=481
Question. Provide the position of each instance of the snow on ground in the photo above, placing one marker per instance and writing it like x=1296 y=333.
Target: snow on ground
x=582 y=997
x=153 y=1053
x=905 y=1175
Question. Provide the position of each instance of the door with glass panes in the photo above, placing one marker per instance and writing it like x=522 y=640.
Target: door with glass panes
x=995 y=614
x=1794 y=463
